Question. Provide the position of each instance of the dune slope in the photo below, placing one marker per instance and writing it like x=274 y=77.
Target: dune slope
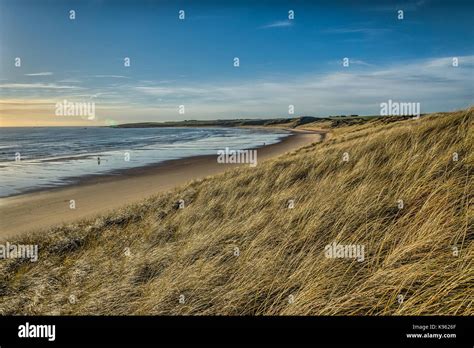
x=237 y=248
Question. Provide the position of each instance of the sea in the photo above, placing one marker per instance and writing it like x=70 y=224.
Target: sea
x=36 y=158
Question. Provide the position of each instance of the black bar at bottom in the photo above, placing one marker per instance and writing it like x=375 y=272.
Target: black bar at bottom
x=290 y=331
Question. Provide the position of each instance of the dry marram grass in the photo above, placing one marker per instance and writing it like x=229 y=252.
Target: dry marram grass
x=192 y=251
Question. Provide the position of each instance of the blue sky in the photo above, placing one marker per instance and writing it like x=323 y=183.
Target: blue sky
x=190 y=62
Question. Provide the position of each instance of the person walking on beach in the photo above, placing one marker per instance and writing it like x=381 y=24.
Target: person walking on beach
x=98 y=160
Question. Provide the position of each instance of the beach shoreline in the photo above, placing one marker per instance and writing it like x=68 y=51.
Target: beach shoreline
x=93 y=195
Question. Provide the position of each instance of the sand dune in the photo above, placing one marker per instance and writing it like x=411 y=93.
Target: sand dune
x=237 y=248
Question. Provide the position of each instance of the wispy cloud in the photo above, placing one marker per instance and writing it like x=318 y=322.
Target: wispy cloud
x=278 y=24
x=176 y=92
x=359 y=62
x=112 y=76
x=36 y=86
x=366 y=31
x=358 y=34
x=403 y=5
x=70 y=81
x=435 y=83
x=353 y=61
x=23 y=102
x=46 y=73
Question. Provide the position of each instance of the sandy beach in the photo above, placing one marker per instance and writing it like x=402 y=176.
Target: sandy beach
x=40 y=210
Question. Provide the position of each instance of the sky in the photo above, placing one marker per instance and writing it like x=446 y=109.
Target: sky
x=190 y=62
